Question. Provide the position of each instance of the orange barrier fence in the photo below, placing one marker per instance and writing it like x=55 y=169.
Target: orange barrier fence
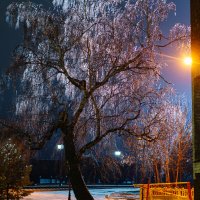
x=168 y=191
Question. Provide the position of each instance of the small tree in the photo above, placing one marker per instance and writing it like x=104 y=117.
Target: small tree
x=14 y=171
x=169 y=158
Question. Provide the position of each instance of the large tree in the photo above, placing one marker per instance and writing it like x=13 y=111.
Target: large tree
x=90 y=69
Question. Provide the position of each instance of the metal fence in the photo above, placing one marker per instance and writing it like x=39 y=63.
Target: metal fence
x=166 y=191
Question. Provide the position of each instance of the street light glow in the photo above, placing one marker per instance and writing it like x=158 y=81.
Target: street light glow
x=117 y=153
x=60 y=146
x=188 y=61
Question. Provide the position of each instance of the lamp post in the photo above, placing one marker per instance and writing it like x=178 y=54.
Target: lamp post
x=195 y=44
x=60 y=147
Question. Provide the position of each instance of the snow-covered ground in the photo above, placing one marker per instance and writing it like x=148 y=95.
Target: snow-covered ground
x=98 y=194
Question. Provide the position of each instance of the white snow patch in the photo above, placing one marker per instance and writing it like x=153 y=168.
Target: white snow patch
x=98 y=194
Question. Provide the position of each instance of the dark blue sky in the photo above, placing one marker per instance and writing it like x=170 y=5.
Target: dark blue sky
x=9 y=38
x=175 y=73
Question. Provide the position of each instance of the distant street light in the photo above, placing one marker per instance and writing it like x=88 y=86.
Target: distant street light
x=118 y=153
x=60 y=146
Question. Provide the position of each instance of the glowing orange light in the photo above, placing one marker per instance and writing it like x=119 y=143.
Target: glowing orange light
x=188 y=61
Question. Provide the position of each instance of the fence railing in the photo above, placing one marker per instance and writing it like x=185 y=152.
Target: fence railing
x=169 y=191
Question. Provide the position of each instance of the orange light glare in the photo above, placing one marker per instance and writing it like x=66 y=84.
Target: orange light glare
x=187 y=61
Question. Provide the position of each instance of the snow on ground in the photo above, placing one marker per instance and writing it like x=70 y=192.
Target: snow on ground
x=98 y=194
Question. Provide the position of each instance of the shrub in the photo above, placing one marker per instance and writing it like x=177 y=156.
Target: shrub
x=14 y=171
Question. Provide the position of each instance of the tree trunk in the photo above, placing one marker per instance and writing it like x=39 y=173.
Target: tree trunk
x=178 y=161
x=167 y=171
x=167 y=174
x=157 y=174
x=78 y=185
x=7 y=192
x=177 y=173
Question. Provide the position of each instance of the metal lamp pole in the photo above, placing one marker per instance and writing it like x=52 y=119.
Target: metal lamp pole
x=60 y=147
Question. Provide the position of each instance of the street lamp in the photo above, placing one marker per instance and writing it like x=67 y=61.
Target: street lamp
x=118 y=153
x=187 y=61
x=60 y=147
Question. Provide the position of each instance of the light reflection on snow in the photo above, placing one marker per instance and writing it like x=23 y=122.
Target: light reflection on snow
x=98 y=194
x=48 y=195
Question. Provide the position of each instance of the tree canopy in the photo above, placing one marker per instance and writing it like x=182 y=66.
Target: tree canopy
x=91 y=69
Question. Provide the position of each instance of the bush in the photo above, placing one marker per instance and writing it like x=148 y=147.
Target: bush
x=14 y=171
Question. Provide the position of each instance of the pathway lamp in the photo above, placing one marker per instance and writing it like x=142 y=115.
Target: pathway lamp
x=118 y=153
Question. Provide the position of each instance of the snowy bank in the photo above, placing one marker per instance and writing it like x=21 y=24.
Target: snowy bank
x=98 y=194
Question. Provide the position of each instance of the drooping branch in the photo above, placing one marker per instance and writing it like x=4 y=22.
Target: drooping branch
x=100 y=136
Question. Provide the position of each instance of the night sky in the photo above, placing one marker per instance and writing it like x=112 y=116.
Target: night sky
x=9 y=38
x=176 y=72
